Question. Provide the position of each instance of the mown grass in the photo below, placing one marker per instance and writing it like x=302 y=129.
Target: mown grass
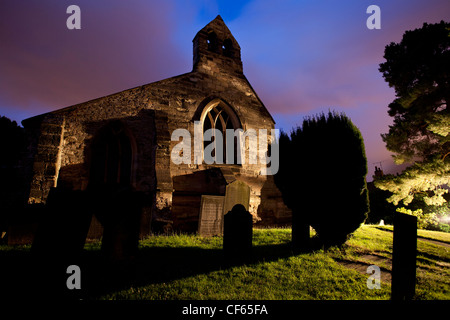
x=425 y=234
x=192 y=267
x=273 y=272
x=307 y=277
x=433 y=260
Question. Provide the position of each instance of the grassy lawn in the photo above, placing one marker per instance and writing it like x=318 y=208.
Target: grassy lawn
x=373 y=245
x=273 y=272
x=425 y=234
x=192 y=267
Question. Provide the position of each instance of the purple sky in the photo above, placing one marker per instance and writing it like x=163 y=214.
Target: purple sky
x=301 y=57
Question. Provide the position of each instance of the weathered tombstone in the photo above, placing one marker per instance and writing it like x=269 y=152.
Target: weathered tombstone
x=404 y=257
x=59 y=241
x=238 y=232
x=211 y=216
x=237 y=192
x=119 y=212
x=64 y=226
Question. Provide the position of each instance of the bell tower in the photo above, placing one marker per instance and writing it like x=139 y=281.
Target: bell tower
x=216 y=50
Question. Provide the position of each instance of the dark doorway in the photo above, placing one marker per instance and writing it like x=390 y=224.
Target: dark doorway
x=111 y=158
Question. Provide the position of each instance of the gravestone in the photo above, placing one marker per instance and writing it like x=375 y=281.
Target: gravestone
x=64 y=225
x=59 y=242
x=404 y=257
x=237 y=192
x=238 y=232
x=211 y=216
x=119 y=212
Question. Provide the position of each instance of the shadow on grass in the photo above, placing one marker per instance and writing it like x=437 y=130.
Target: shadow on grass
x=24 y=275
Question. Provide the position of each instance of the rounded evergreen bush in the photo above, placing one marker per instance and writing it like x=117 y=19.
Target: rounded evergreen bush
x=322 y=176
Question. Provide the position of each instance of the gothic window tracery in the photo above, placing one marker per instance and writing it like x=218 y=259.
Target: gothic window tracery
x=221 y=118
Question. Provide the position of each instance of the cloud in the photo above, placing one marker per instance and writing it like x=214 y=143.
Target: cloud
x=298 y=55
x=45 y=66
x=301 y=56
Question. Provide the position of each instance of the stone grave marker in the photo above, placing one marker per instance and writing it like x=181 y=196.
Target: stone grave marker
x=238 y=232
x=404 y=257
x=211 y=215
x=237 y=192
x=59 y=242
x=63 y=228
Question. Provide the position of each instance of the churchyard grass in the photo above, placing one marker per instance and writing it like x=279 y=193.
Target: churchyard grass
x=373 y=245
x=192 y=267
x=276 y=272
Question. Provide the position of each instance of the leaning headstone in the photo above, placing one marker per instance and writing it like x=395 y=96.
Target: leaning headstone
x=404 y=257
x=211 y=216
x=238 y=232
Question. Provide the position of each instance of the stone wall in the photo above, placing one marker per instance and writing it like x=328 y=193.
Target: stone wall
x=47 y=158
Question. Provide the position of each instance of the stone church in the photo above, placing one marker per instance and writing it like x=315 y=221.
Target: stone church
x=122 y=144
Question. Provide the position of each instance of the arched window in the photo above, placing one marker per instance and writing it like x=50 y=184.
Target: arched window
x=212 y=41
x=219 y=116
x=227 y=48
x=111 y=157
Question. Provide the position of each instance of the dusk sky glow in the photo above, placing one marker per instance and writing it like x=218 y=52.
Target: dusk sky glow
x=301 y=57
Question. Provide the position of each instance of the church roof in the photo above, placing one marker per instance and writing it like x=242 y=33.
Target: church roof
x=217 y=25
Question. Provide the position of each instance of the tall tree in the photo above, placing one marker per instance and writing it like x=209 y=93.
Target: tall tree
x=418 y=68
x=322 y=177
x=12 y=143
